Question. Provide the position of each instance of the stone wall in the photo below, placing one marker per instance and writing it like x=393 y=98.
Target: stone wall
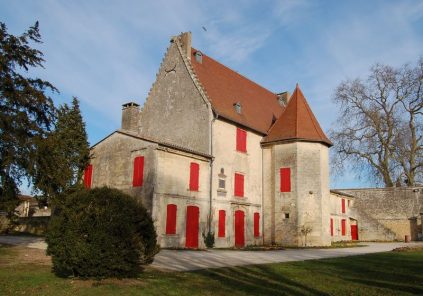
x=227 y=162
x=174 y=111
x=388 y=213
x=113 y=165
x=307 y=204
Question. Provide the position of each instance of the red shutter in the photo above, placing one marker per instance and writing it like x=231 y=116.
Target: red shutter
x=193 y=176
x=343 y=205
x=241 y=140
x=343 y=226
x=88 y=175
x=222 y=218
x=256 y=224
x=239 y=185
x=331 y=227
x=285 y=179
x=171 y=219
x=138 y=176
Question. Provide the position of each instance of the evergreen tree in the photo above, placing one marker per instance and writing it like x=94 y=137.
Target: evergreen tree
x=64 y=154
x=26 y=112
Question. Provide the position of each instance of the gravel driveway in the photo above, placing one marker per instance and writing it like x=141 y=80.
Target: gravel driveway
x=180 y=260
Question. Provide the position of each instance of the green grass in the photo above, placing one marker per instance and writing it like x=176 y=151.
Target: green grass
x=392 y=273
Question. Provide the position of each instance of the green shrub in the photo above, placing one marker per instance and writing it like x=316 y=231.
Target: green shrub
x=100 y=233
x=209 y=239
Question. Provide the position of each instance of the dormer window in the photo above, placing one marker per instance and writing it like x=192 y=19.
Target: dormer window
x=237 y=107
x=198 y=57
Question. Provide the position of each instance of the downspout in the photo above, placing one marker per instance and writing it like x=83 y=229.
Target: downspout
x=211 y=172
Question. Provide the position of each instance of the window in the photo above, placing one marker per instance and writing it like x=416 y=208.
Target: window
x=343 y=205
x=222 y=218
x=343 y=226
x=239 y=185
x=237 y=107
x=241 y=140
x=285 y=179
x=171 y=219
x=286 y=215
x=222 y=183
x=88 y=175
x=138 y=176
x=256 y=224
x=348 y=203
x=331 y=227
x=193 y=176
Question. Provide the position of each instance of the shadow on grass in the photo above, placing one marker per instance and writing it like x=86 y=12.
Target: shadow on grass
x=385 y=273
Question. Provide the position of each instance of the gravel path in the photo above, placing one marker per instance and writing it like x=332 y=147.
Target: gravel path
x=180 y=260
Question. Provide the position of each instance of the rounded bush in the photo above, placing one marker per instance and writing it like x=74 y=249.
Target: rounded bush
x=100 y=233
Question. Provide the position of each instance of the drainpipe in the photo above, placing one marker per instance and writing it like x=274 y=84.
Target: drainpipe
x=211 y=171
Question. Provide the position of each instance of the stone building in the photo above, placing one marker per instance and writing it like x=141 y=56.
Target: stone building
x=211 y=150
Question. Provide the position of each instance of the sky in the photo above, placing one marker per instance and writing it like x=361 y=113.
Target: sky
x=107 y=53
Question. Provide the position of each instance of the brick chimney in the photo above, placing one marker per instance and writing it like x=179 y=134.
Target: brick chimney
x=130 y=112
x=186 y=41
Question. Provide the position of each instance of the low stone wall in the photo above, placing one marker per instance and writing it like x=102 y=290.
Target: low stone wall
x=33 y=225
x=388 y=213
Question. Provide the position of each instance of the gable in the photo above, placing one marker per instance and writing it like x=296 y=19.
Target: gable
x=175 y=112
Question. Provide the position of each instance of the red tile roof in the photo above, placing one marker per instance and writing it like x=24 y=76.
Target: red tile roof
x=297 y=122
x=225 y=87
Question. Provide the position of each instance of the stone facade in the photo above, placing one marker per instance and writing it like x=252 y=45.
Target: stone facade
x=180 y=128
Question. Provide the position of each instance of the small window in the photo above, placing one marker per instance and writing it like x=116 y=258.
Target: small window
x=222 y=183
x=241 y=140
x=237 y=107
x=286 y=215
x=171 y=219
x=331 y=227
x=88 y=175
x=194 y=176
x=138 y=175
x=239 y=185
x=343 y=206
x=222 y=218
x=285 y=179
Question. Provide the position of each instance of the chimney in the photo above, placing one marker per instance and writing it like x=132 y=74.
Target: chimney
x=130 y=112
x=283 y=98
x=186 y=41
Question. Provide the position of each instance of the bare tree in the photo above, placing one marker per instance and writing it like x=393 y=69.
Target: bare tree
x=379 y=130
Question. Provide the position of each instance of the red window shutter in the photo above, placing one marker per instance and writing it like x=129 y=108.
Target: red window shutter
x=138 y=176
x=256 y=224
x=88 y=175
x=331 y=227
x=171 y=219
x=239 y=185
x=193 y=176
x=222 y=218
x=241 y=140
x=343 y=205
x=343 y=226
x=285 y=179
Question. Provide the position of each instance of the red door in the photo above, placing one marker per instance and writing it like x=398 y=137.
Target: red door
x=354 y=232
x=239 y=229
x=191 y=232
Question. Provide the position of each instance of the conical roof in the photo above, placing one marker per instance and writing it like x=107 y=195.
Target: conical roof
x=297 y=122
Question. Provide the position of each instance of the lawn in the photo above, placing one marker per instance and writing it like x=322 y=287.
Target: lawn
x=392 y=273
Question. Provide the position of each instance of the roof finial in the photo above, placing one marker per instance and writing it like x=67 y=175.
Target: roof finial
x=297 y=85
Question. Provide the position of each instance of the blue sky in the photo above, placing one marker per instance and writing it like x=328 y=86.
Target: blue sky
x=108 y=52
